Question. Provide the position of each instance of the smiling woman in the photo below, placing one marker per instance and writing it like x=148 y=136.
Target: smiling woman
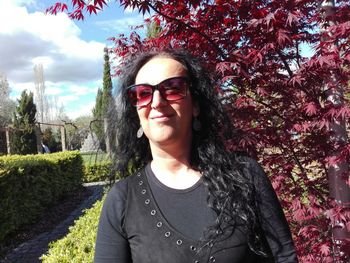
x=189 y=199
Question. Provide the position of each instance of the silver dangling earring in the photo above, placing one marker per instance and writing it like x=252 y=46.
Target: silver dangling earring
x=197 y=125
x=139 y=132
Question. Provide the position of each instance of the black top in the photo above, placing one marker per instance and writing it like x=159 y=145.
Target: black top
x=182 y=207
x=128 y=232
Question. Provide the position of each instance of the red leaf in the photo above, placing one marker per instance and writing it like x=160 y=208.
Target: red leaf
x=324 y=248
x=297 y=79
x=92 y=9
x=282 y=37
x=269 y=17
x=311 y=109
x=292 y=17
x=100 y=3
x=261 y=91
x=144 y=7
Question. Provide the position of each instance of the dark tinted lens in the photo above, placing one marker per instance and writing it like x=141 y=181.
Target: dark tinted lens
x=140 y=95
x=174 y=88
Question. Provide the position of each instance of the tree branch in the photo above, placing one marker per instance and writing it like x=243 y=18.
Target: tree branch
x=290 y=73
x=218 y=49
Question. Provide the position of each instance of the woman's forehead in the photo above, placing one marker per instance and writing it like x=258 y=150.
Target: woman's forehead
x=158 y=69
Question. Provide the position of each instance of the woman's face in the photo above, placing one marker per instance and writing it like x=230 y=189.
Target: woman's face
x=165 y=122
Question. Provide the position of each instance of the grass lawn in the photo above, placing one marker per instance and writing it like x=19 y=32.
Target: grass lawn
x=91 y=158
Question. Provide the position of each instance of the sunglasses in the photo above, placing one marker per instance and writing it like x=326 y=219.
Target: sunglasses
x=171 y=89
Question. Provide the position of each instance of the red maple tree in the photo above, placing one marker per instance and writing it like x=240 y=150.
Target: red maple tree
x=293 y=109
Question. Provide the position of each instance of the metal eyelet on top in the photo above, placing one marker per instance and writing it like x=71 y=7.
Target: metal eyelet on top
x=193 y=248
x=167 y=234
x=143 y=191
x=159 y=224
x=141 y=182
x=153 y=212
x=179 y=242
x=138 y=174
x=147 y=201
x=212 y=259
x=196 y=261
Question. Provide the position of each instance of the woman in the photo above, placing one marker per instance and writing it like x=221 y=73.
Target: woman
x=190 y=200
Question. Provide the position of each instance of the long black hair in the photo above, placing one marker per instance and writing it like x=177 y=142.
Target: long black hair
x=231 y=192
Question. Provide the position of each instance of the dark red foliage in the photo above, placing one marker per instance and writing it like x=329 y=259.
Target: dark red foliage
x=278 y=97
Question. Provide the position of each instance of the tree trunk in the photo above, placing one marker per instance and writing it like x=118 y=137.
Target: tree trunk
x=337 y=173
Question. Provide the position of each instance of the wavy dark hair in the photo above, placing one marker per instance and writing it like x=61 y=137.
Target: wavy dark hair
x=231 y=193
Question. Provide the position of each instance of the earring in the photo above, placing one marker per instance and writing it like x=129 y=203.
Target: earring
x=197 y=125
x=139 y=132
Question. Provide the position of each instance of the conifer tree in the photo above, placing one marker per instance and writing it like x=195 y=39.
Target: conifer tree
x=23 y=139
x=97 y=127
x=103 y=100
x=107 y=84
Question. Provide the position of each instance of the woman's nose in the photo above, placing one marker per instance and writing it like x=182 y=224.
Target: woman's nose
x=158 y=100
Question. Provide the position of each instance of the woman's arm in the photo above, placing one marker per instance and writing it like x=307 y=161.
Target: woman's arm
x=111 y=242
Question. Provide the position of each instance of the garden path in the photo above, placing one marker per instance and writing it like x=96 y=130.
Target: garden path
x=31 y=251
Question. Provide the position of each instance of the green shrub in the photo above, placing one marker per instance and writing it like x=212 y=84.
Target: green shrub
x=29 y=184
x=97 y=172
x=79 y=244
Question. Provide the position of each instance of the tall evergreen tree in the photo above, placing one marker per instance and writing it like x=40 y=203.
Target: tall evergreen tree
x=23 y=139
x=103 y=100
x=107 y=84
x=97 y=125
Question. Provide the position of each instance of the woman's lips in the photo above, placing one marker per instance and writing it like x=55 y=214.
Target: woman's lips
x=161 y=117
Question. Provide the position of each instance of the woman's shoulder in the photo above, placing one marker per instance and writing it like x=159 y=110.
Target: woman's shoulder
x=250 y=166
x=244 y=159
x=120 y=188
x=115 y=204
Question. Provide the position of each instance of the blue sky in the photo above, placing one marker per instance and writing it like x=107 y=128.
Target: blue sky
x=71 y=52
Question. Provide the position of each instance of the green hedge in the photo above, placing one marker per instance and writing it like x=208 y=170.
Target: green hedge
x=97 y=172
x=79 y=244
x=29 y=184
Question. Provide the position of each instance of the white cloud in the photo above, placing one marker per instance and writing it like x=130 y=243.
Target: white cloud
x=82 y=90
x=83 y=110
x=19 y=87
x=52 y=90
x=121 y=25
x=30 y=38
x=72 y=66
x=64 y=100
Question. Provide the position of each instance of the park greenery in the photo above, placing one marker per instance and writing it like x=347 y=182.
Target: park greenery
x=23 y=138
x=30 y=184
x=78 y=245
x=288 y=106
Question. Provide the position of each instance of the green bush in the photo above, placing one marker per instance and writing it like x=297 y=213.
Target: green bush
x=29 y=184
x=79 y=244
x=97 y=172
